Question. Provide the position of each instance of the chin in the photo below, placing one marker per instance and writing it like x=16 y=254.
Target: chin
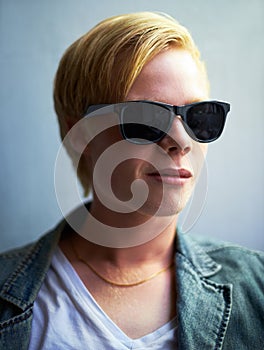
x=166 y=200
x=171 y=205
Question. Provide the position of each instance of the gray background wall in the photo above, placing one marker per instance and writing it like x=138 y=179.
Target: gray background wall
x=33 y=36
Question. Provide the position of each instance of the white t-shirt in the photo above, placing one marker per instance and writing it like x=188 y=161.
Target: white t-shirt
x=66 y=316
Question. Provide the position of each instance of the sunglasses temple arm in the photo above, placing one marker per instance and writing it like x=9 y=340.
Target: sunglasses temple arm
x=93 y=108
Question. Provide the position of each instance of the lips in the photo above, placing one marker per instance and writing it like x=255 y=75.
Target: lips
x=171 y=176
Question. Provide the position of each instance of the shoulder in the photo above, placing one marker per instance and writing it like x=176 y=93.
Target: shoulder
x=239 y=265
x=23 y=261
x=233 y=262
x=10 y=260
x=226 y=251
x=240 y=268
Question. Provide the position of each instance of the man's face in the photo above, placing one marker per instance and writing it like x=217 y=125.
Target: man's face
x=168 y=169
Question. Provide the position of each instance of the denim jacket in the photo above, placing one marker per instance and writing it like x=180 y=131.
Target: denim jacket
x=220 y=288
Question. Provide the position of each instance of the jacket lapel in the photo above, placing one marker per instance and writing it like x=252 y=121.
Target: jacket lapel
x=204 y=306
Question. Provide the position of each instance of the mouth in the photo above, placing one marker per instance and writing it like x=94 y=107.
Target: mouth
x=171 y=176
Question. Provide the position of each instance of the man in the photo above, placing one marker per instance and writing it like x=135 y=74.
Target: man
x=132 y=99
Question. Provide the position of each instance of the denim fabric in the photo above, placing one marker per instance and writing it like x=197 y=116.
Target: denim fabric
x=220 y=293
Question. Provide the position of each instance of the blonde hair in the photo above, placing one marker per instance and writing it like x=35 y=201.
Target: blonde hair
x=102 y=65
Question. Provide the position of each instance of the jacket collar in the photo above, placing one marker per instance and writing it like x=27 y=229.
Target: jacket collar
x=201 y=261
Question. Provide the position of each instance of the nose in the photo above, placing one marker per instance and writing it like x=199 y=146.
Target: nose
x=177 y=141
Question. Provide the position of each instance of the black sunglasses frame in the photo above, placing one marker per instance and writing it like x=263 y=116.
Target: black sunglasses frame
x=174 y=112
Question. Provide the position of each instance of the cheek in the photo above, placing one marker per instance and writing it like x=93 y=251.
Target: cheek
x=123 y=177
x=132 y=162
x=115 y=162
x=102 y=143
x=129 y=169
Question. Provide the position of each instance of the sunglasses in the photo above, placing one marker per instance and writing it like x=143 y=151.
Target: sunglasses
x=145 y=122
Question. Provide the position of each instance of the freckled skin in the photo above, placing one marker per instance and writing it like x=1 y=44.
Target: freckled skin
x=171 y=77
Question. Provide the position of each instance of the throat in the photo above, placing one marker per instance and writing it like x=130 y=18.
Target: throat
x=132 y=309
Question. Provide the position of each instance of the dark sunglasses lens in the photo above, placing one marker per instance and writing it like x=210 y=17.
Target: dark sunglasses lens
x=206 y=121
x=143 y=122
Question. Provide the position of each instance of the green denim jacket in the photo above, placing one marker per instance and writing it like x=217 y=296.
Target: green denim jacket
x=220 y=287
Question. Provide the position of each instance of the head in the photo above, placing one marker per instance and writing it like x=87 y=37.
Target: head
x=104 y=64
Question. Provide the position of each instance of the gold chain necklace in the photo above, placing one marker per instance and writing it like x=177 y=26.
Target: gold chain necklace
x=121 y=284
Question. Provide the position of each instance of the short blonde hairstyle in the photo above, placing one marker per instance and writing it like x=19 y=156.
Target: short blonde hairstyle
x=102 y=65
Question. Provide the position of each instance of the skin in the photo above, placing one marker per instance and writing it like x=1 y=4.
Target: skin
x=171 y=77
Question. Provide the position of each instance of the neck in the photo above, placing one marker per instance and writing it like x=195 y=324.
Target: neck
x=149 y=241
x=159 y=249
